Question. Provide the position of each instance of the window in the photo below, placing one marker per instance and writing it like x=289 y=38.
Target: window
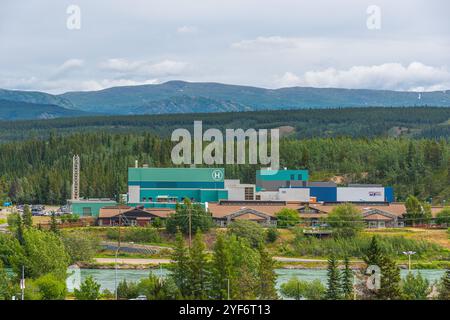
x=87 y=211
x=248 y=193
x=292 y=176
x=299 y=177
x=144 y=199
x=258 y=197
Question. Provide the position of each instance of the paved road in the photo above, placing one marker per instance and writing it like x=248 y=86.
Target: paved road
x=136 y=261
x=132 y=261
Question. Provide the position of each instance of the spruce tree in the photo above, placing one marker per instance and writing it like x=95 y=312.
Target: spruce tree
x=267 y=276
x=334 y=283
x=180 y=273
x=198 y=268
x=27 y=216
x=444 y=287
x=347 y=280
x=374 y=254
x=19 y=230
x=54 y=224
x=222 y=268
x=390 y=288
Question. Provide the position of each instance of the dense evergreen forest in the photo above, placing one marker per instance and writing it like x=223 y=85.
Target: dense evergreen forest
x=38 y=170
x=416 y=122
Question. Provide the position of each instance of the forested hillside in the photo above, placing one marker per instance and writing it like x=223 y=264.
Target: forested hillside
x=419 y=122
x=13 y=110
x=39 y=171
x=171 y=97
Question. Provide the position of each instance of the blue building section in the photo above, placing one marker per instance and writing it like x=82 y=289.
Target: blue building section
x=389 y=194
x=325 y=194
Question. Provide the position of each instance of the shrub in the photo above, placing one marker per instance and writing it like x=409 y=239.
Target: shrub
x=135 y=234
x=415 y=287
x=158 y=223
x=80 y=246
x=107 y=295
x=443 y=217
x=89 y=290
x=127 y=290
x=356 y=246
x=249 y=230
x=51 y=288
x=298 y=289
x=12 y=220
x=287 y=217
x=345 y=220
x=272 y=235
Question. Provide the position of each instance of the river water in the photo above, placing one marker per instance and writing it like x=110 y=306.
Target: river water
x=106 y=277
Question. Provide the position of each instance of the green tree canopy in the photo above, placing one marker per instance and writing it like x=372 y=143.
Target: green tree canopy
x=443 y=216
x=200 y=219
x=298 y=289
x=89 y=290
x=41 y=253
x=345 y=220
x=287 y=217
x=415 y=287
x=249 y=230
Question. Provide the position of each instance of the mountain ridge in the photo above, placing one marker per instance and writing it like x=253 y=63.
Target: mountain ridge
x=195 y=97
x=19 y=110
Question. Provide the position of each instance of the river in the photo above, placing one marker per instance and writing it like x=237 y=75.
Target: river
x=106 y=277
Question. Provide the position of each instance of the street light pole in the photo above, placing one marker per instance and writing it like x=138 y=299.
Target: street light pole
x=409 y=254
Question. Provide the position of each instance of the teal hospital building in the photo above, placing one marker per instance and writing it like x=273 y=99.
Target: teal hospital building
x=164 y=187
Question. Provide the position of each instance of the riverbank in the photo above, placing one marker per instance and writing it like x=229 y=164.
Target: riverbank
x=281 y=263
x=107 y=277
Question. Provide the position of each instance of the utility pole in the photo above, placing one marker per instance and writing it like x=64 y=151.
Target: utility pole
x=117 y=253
x=22 y=283
x=228 y=288
x=190 y=225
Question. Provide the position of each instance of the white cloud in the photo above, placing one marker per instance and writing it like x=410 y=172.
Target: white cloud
x=389 y=76
x=57 y=86
x=68 y=66
x=187 y=29
x=277 y=43
x=144 y=68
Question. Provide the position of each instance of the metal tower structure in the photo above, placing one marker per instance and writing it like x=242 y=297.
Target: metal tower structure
x=76 y=178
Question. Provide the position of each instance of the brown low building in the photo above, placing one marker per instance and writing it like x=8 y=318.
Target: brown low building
x=262 y=212
x=128 y=216
x=375 y=216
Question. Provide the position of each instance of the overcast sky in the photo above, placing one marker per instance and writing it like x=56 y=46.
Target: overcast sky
x=271 y=44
